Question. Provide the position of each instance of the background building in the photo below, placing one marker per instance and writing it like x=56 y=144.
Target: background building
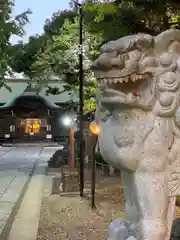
x=28 y=113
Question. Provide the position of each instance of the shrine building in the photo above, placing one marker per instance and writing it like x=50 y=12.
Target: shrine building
x=28 y=113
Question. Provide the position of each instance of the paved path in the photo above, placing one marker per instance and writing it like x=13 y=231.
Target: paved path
x=16 y=167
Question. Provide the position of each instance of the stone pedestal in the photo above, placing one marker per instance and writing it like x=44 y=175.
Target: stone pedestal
x=57 y=182
x=121 y=230
x=57 y=185
x=67 y=181
x=70 y=179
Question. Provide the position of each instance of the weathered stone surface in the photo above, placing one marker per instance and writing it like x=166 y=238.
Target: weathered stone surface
x=138 y=98
x=120 y=230
x=131 y=238
x=57 y=185
x=70 y=178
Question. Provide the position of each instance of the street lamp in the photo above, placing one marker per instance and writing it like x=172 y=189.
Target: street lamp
x=81 y=97
x=95 y=130
x=67 y=121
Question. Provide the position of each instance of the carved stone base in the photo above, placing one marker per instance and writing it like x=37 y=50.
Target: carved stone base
x=57 y=185
x=67 y=181
x=121 y=230
x=70 y=179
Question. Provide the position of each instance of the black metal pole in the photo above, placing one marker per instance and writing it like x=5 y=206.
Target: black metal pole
x=81 y=102
x=93 y=177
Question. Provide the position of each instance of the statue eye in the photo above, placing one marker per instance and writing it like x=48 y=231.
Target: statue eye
x=166 y=59
x=117 y=62
x=148 y=62
x=125 y=57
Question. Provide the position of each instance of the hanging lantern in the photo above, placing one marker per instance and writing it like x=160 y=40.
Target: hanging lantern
x=94 y=128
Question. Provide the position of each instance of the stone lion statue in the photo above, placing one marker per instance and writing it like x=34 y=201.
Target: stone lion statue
x=138 y=97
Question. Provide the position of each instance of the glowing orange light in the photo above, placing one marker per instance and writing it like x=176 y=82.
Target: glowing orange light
x=32 y=126
x=94 y=128
x=36 y=126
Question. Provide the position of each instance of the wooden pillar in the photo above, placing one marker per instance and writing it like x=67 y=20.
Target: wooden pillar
x=72 y=162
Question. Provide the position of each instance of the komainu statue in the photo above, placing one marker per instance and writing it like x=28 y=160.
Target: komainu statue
x=138 y=97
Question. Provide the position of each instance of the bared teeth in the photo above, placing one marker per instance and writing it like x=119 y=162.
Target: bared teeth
x=102 y=82
x=110 y=80
x=120 y=80
x=126 y=79
x=133 y=77
x=137 y=77
x=105 y=81
x=140 y=77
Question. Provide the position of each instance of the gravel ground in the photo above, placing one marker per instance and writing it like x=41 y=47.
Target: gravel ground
x=71 y=218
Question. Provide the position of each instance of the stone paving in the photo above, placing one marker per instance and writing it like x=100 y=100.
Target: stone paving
x=16 y=167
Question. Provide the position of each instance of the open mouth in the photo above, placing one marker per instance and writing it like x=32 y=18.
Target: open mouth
x=123 y=90
x=132 y=79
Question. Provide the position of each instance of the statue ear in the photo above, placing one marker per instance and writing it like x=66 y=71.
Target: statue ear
x=168 y=41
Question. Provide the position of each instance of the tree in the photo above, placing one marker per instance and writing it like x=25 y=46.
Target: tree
x=60 y=58
x=55 y=52
x=8 y=28
x=52 y=26
x=118 y=18
x=24 y=54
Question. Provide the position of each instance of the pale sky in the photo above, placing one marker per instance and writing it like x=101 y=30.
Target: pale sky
x=41 y=10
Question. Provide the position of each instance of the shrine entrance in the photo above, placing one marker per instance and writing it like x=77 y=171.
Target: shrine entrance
x=31 y=117
x=32 y=128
